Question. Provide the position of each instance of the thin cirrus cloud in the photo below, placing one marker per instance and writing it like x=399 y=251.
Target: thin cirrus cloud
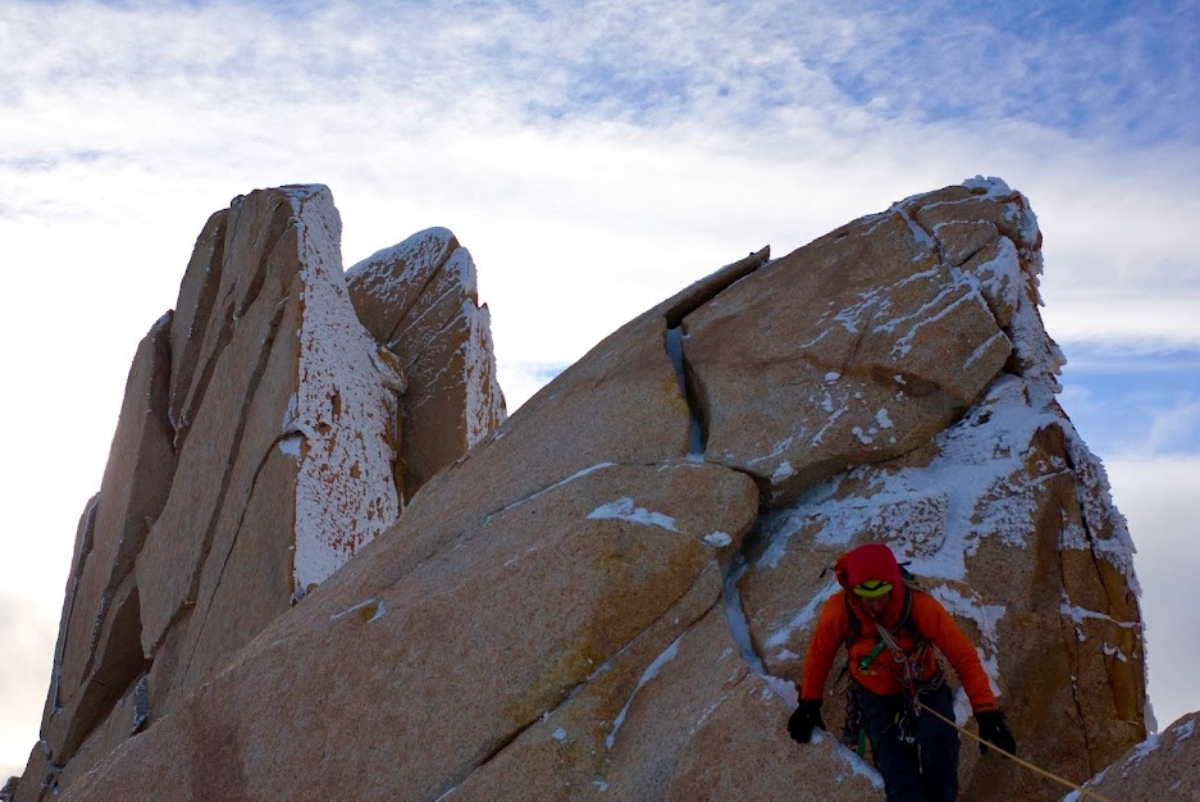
x=1063 y=69
x=595 y=157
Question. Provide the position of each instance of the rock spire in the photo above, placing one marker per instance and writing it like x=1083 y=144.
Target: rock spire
x=258 y=449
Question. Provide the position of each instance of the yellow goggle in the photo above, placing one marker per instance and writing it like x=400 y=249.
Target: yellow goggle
x=873 y=589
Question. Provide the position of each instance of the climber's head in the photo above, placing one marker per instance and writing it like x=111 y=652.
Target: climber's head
x=873 y=575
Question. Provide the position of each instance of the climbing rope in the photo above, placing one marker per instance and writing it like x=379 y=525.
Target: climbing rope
x=1013 y=757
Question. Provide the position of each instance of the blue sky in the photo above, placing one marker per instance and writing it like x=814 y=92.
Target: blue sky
x=1135 y=405
x=595 y=157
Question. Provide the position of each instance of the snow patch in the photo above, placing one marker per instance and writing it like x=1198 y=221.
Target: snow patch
x=806 y=615
x=718 y=539
x=599 y=466
x=923 y=317
x=1113 y=651
x=420 y=255
x=739 y=626
x=993 y=187
x=1184 y=730
x=1095 y=499
x=859 y=767
x=367 y=611
x=820 y=435
x=919 y=234
x=290 y=445
x=1079 y=614
x=976 y=488
x=650 y=673
x=962 y=706
x=869 y=303
x=1139 y=752
x=484 y=403
x=985 y=616
x=623 y=509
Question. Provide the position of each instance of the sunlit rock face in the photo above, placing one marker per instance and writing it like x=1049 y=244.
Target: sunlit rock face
x=255 y=453
x=989 y=492
x=610 y=595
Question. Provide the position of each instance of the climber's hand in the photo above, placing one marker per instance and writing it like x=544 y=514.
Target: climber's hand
x=807 y=716
x=994 y=729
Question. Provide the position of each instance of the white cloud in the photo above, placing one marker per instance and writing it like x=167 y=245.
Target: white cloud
x=1158 y=497
x=1179 y=422
x=1158 y=321
x=24 y=675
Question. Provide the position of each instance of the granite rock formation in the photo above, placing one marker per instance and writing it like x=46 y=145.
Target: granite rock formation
x=419 y=300
x=255 y=453
x=1165 y=766
x=608 y=597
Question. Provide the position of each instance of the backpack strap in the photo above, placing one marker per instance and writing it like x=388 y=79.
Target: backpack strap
x=905 y=625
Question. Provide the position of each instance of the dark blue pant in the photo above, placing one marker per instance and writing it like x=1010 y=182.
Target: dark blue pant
x=924 y=771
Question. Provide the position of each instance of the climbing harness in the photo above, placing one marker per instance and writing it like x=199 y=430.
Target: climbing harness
x=854 y=735
x=1013 y=757
x=906 y=669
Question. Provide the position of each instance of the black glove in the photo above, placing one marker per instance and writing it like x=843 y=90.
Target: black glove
x=994 y=729
x=807 y=716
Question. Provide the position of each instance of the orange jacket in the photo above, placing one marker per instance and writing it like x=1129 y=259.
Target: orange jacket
x=885 y=675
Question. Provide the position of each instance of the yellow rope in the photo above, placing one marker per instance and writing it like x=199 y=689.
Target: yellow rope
x=1013 y=757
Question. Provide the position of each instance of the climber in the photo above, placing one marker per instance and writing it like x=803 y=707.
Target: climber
x=888 y=627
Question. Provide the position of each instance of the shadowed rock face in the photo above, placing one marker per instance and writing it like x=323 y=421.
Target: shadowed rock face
x=255 y=453
x=1164 y=766
x=610 y=595
x=419 y=301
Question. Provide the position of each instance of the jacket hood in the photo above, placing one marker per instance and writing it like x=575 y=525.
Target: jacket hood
x=865 y=563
